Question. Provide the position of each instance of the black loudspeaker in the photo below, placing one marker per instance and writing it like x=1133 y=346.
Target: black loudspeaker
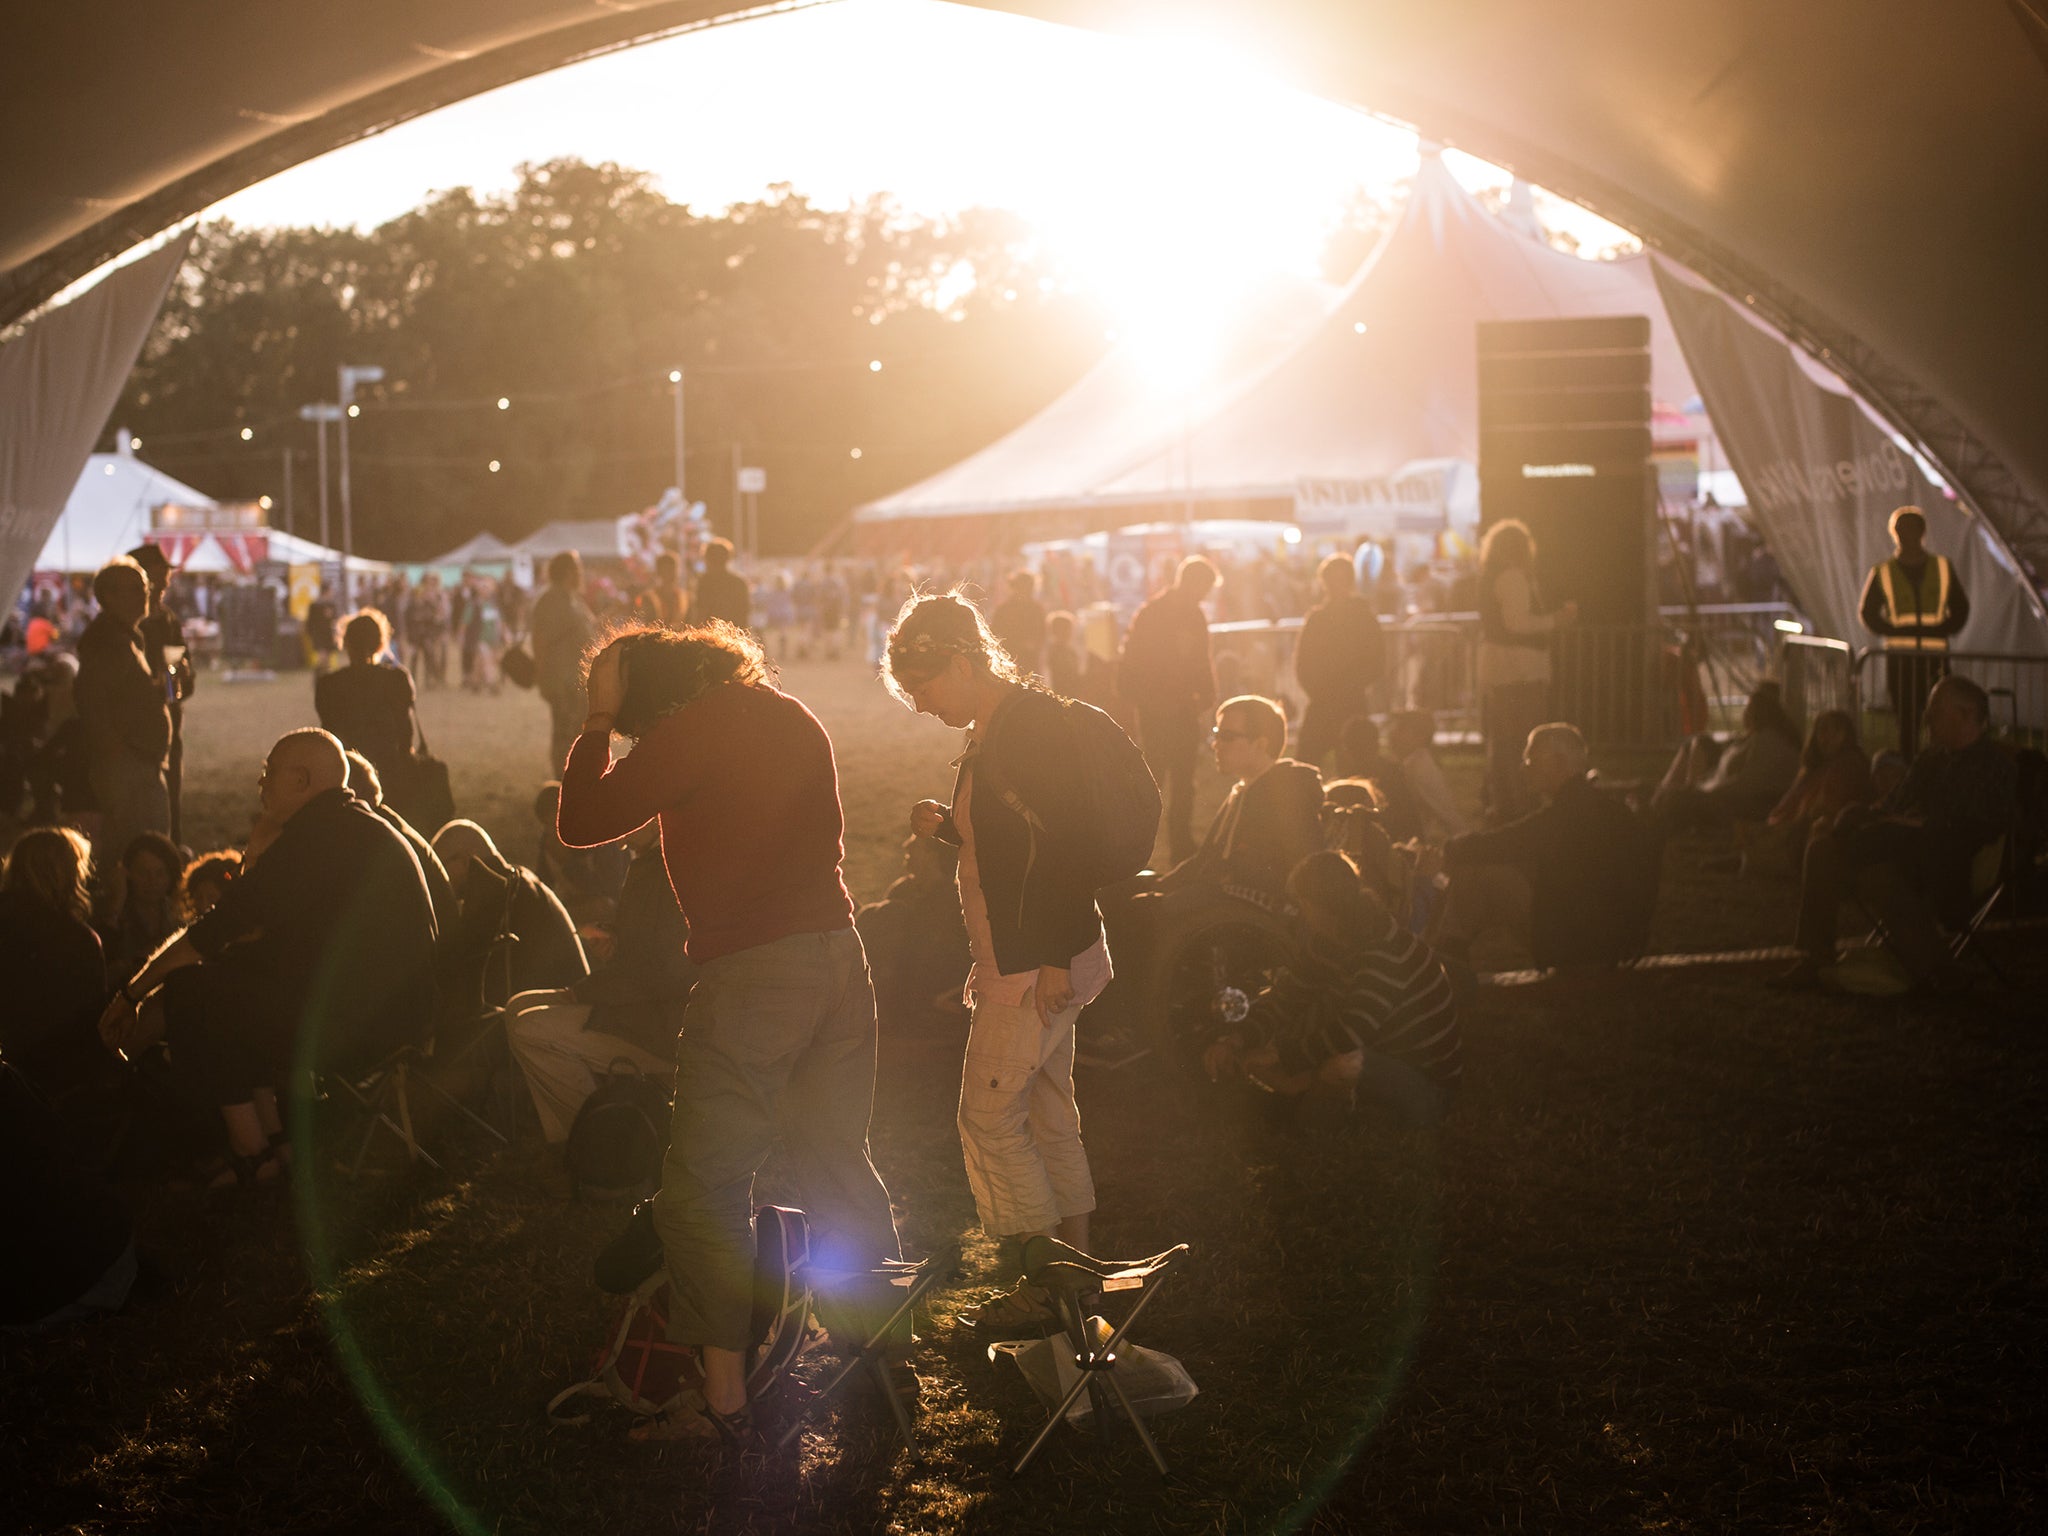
x=1564 y=446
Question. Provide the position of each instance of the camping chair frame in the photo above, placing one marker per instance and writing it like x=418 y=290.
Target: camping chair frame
x=1074 y=1279
x=384 y=1092
x=916 y=1281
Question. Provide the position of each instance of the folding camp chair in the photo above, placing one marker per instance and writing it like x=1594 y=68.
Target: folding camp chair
x=1078 y=1281
x=383 y=1093
x=1993 y=875
x=915 y=1282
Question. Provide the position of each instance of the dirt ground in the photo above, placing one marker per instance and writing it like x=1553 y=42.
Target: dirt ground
x=1687 y=1256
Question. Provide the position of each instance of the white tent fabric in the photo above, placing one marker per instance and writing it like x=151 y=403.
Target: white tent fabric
x=485 y=548
x=1323 y=402
x=1822 y=476
x=108 y=512
x=59 y=380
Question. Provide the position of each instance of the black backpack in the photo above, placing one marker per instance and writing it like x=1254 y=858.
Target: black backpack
x=620 y=1135
x=1120 y=801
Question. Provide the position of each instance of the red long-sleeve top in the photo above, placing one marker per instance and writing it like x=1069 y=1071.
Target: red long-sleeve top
x=744 y=784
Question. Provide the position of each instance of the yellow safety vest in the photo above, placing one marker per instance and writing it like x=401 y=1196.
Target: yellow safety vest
x=1907 y=604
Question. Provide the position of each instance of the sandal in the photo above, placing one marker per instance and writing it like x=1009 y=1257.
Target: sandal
x=245 y=1171
x=698 y=1421
x=1020 y=1312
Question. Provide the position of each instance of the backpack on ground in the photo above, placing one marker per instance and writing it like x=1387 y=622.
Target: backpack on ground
x=619 y=1136
x=1119 y=802
x=640 y=1369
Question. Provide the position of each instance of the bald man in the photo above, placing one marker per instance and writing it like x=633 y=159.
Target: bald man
x=320 y=953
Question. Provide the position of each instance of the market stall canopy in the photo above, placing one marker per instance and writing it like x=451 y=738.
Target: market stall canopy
x=1858 y=169
x=594 y=539
x=484 y=549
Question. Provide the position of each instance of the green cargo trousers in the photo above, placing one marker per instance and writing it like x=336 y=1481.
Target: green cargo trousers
x=778 y=1043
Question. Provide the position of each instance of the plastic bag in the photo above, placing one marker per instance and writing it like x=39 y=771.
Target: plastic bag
x=1155 y=1382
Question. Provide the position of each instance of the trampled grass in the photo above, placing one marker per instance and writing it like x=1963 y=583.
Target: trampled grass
x=1687 y=1256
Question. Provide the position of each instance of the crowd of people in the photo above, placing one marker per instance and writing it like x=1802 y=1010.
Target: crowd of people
x=685 y=912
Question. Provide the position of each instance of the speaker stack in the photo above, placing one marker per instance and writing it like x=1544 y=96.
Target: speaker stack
x=1564 y=446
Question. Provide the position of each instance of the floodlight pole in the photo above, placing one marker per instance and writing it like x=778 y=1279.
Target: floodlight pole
x=675 y=377
x=350 y=377
x=320 y=415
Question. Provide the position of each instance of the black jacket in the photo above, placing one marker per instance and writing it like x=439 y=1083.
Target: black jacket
x=1260 y=832
x=1593 y=870
x=1041 y=907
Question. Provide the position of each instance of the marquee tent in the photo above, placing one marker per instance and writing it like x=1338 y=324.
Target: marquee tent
x=484 y=549
x=108 y=512
x=1385 y=376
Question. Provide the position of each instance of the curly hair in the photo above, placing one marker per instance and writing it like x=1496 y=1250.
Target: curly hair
x=662 y=670
x=930 y=630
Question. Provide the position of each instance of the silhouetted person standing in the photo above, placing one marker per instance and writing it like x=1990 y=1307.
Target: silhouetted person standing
x=162 y=633
x=562 y=628
x=1167 y=677
x=721 y=591
x=124 y=712
x=667 y=601
x=1916 y=603
x=368 y=704
x=1338 y=661
x=1019 y=623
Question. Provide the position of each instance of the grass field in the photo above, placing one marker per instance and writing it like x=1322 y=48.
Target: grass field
x=1686 y=1257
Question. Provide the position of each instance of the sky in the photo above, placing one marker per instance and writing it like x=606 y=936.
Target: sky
x=1104 y=145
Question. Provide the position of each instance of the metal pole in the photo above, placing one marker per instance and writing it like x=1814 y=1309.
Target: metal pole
x=288 y=490
x=739 y=504
x=676 y=378
x=326 y=539
x=348 y=523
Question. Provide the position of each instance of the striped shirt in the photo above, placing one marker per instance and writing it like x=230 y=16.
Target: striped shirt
x=1388 y=995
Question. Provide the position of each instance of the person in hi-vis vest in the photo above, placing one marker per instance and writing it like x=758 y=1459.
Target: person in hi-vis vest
x=1915 y=602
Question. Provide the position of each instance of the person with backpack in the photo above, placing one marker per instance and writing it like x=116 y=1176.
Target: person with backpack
x=1052 y=802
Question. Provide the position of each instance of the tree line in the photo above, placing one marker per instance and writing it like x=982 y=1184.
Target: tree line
x=571 y=297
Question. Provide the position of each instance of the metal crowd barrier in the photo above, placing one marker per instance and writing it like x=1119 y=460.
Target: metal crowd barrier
x=2018 y=686
x=1621 y=684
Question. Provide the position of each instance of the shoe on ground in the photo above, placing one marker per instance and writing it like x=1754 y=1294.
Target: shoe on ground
x=1022 y=1312
x=1807 y=975
x=694 y=1420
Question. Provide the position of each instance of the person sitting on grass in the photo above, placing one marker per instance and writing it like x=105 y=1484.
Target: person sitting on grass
x=1362 y=1016
x=1411 y=751
x=52 y=972
x=366 y=786
x=493 y=896
x=320 y=954
x=1834 y=774
x=589 y=880
x=1716 y=784
x=142 y=900
x=1360 y=758
x=1270 y=819
x=1572 y=883
x=207 y=879
x=629 y=1007
x=1911 y=860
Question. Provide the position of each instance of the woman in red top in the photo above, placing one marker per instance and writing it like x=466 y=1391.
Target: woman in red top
x=779 y=1034
x=1834 y=773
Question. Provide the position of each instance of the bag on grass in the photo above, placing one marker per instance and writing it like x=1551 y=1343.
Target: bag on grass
x=640 y=1369
x=620 y=1135
x=1154 y=1381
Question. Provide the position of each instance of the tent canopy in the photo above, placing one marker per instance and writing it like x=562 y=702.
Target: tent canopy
x=1859 y=169
x=108 y=512
x=1383 y=376
x=484 y=549
x=593 y=539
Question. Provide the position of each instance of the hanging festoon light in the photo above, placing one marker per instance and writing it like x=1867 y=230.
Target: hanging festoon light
x=495 y=466
x=248 y=433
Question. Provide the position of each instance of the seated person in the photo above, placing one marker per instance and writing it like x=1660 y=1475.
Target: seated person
x=207 y=879
x=143 y=901
x=1834 y=774
x=71 y=1247
x=1710 y=784
x=496 y=896
x=1359 y=757
x=1411 y=750
x=587 y=879
x=320 y=954
x=1272 y=817
x=1572 y=883
x=1887 y=773
x=1363 y=1011
x=914 y=936
x=52 y=973
x=631 y=1006
x=1911 y=859
x=367 y=787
